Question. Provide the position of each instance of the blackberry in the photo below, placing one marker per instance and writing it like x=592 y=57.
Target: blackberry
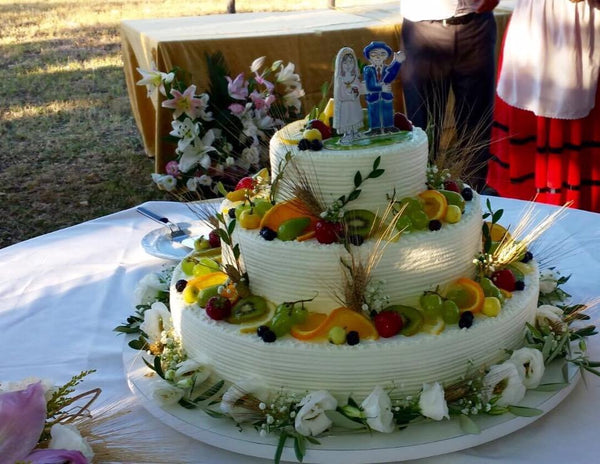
x=231 y=213
x=269 y=336
x=466 y=320
x=527 y=257
x=180 y=285
x=303 y=144
x=268 y=234
x=519 y=285
x=356 y=239
x=316 y=145
x=435 y=224
x=467 y=194
x=261 y=330
x=352 y=338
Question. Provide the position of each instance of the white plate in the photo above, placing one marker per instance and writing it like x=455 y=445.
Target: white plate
x=158 y=242
x=419 y=440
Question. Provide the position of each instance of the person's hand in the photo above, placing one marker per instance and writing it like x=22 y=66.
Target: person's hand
x=486 y=5
x=400 y=56
x=387 y=88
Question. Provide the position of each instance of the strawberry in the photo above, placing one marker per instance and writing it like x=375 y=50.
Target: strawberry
x=388 y=323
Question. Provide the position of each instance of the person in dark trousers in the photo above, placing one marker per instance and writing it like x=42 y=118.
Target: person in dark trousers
x=449 y=44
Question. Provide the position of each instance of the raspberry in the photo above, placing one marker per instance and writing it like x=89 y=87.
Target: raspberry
x=218 y=308
x=352 y=338
x=245 y=183
x=267 y=234
x=504 y=279
x=452 y=186
x=388 y=323
x=213 y=239
x=327 y=232
x=180 y=285
x=435 y=224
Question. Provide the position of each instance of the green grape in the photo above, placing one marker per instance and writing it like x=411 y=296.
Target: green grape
x=404 y=223
x=450 y=312
x=337 y=335
x=187 y=266
x=281 y=323
x=412 y=204
x=201 y=243
x=240 y=208
x=262 y=206
x=419 y=219
x=431 y=304
x=299 y=314
x=205 y=266
x=459 y=295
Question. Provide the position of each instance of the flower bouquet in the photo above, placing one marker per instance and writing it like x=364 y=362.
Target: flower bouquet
x=222 y=135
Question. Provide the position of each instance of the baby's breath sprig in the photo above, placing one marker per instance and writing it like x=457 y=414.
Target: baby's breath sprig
x=436 y=177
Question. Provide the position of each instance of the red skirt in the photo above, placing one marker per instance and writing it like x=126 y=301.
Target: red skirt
x=556 y=159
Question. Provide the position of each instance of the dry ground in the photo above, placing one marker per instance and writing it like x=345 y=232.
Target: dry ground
x=69 y=147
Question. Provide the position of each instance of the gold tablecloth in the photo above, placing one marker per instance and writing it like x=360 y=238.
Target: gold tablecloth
x=310 y=39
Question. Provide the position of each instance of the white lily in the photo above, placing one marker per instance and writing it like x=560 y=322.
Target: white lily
x=194 y=153
x=148 y=288
x=186 y=131
x=432 y=402
x=257 y=64
x=377 y=409
x=311 y=419
x=503 y=381
x=164 y=181
x=154 y=80
x=530 y=364
x=287 y=76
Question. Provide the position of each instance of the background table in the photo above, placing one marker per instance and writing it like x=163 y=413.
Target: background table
x=61 y=295
x=310 y=39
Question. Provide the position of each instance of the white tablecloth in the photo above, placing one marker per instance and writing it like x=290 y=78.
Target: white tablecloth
x=61 y=295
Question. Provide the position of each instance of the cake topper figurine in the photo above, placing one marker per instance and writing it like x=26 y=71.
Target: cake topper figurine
x=378 y=78
x=347 y=115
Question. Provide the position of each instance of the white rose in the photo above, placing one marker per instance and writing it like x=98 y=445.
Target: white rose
x=548 y=315
x=67 y=437
x=311 y=419
x=147 y=289
x=432 y=402
x=164 y=393
x=503 y=381
x=548 y=281
x=156 y=319
x=530 y=364
x=377 y=409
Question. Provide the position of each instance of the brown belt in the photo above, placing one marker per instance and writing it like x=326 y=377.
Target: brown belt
x=456 y=20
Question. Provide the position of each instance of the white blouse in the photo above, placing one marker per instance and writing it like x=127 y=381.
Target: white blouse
x=551 y=58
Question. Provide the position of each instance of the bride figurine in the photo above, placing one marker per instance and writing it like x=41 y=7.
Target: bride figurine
x=347 y=114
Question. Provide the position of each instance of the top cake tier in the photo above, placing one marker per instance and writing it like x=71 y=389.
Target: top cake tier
x=332 y=170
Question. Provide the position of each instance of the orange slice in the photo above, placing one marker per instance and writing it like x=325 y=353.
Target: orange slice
x=467 y=294
x=208 y=280
x=350 y=320
x=434 y=204
x=285 y=210
x=307 y=236
x=497 y=232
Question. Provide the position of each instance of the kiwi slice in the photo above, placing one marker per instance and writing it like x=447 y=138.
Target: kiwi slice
x=412 y=317
x=454 y=198
x=359 y=222
x=248 y=309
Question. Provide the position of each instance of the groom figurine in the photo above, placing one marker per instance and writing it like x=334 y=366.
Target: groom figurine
x=378 y=82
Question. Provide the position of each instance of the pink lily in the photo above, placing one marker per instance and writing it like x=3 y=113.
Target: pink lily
x=54 y=456
x=258 y=100
x=237 y=88
x=262 y=81
x=236 y=109
x=186 y=103
x=22 y=419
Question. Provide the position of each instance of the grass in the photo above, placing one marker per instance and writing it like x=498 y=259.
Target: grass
x=69 y=147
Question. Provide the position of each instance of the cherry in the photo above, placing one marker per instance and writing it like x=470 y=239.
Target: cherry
x=327 y=232
x=388 y=323
x=213 y=239
x=452 y=186
x=245 y=183
x=218 y=308
x=505 y=280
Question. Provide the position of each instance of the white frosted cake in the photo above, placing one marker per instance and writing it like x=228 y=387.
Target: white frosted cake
x=415 y=263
